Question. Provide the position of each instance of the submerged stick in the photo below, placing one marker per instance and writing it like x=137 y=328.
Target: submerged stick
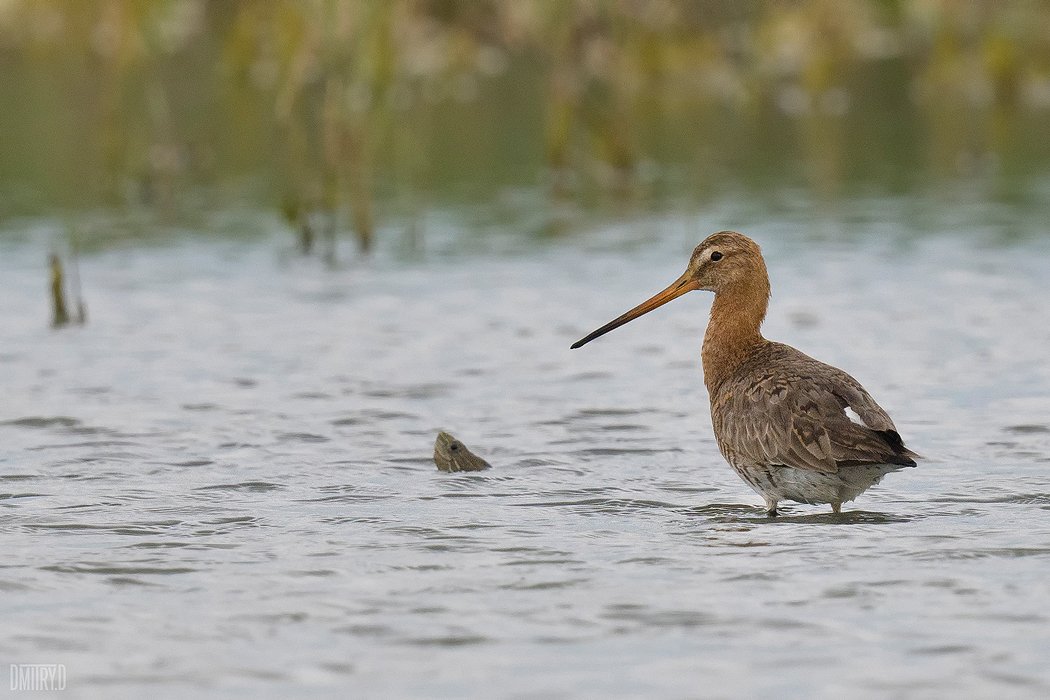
x=59 y=312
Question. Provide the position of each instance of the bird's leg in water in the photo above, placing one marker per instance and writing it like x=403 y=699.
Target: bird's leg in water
x=771 y=507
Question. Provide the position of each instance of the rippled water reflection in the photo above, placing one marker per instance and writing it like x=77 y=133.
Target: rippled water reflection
x=223 y=483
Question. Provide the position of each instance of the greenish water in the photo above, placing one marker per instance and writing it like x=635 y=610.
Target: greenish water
x=733 y=104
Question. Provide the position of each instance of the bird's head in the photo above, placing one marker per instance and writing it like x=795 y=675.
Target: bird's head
x=723 y=260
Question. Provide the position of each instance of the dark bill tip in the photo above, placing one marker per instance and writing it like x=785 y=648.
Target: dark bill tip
x=682 y=285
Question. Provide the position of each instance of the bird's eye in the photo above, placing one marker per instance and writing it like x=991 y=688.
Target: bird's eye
x=454 y=446
x=716 y=256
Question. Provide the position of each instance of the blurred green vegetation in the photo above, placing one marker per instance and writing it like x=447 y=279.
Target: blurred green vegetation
x=339 y=115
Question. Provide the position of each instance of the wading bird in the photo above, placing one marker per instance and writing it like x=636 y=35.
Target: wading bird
x=792 y=427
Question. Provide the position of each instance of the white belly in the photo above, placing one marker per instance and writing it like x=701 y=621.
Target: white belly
x=779 y=483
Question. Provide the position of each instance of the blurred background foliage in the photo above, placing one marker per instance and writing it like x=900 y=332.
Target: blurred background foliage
x=341 y=115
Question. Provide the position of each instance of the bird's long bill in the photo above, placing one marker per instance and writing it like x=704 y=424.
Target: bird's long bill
x=680 y=286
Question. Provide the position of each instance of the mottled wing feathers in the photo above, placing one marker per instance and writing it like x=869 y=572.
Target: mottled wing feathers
x=853 y=395
x=792 y=412
x=770 y=422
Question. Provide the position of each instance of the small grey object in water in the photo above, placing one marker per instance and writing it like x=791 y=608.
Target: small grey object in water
x=451 y=455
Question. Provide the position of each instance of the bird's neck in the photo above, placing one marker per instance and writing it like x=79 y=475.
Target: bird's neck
x=734 y=331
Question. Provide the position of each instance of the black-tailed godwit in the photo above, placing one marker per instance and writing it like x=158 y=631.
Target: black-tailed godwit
x=782 y=419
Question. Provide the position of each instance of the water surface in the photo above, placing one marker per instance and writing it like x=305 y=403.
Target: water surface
x=223 y=482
